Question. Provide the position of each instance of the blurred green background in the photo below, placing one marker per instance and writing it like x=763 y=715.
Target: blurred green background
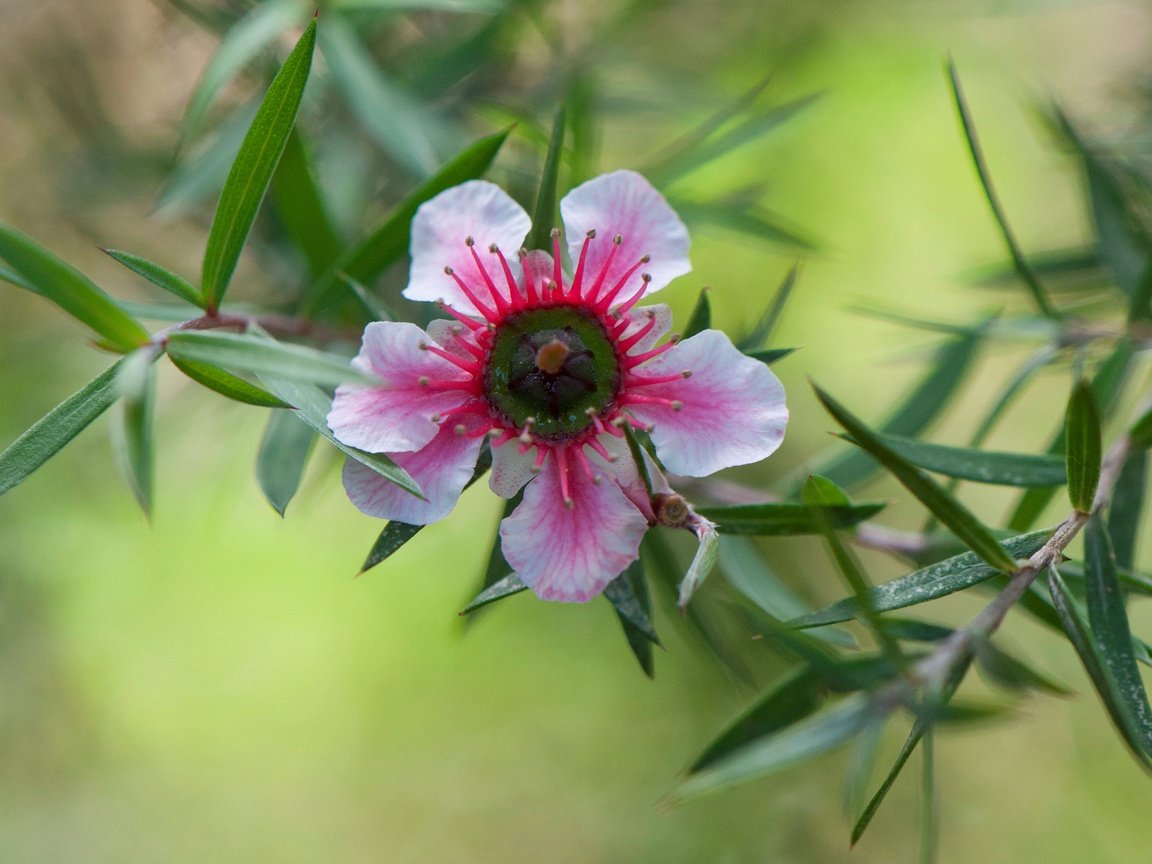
x=216 y=686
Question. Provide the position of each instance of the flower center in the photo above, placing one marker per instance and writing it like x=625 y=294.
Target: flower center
x=551 y=369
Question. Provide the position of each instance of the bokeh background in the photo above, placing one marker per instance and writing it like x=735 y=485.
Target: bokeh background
x=216 y=686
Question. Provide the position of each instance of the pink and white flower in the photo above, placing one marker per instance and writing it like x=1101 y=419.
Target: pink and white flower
x=548 y=368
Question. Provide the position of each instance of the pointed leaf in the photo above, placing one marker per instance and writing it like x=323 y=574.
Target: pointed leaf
x=544 y=214
x=301 y=208
x=283 y=456
x=54 y=430
x=133 y=437
x=506 y=587
x=265 y=357
x=770 y=355
x=227 y=384
x=252 y=171
x=928 y=583
x=946 y=508
x=157 y=275
x=1011 y=673
x=628 y=594
x=1126 y=509
x=69 y=289
x=777 y=519
x=1083 y=447
x=766 y=326
x=702 y=562
x=980 y=466
x=701 y=317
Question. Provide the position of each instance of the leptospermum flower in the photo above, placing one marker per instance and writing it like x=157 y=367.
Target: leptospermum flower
x=548 y=368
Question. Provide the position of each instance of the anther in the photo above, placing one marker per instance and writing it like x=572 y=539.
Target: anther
x=677 y=405
x=449 y=270
x=468 y=241
x=423 y=381
x=555 y=233
x=436 y=418
x=618 y=239
x=493 y=248
x=460 y=429
x=494 y=433
x=687 y=373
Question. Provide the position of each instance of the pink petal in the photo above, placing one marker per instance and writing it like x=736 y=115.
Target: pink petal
x=661 y=312
x=444 y=333
x=625 y=203
x=511 y=469
x=624 y=471
x=476 y=209
x=570 y=554
x=732 y=413
x=396 y=416
x=442 y=469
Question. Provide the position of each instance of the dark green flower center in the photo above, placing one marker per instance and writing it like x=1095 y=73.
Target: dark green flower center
x=549 y=369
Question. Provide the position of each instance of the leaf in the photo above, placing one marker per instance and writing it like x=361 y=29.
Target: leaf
x=312 y=406
x=920 y=407
x=947 y=509
x=396 y=534
x=930 y=827
x=803 y=740
x=476 y=6
x=71 y=290
x=628 y=594
x=157 y=275
x=404 y=126
x=227 y=384
x=702 y=562
x=388 y=243
x=795 y=697
x=252 y=171
x=764 y=328
x=776 y=519
x=1126 y=508
x=980 y=466
x=770 y=356
x=1083 y=447
x=928 y=583
x=506 y=587
x=701 y=317
x=745 y=218
x=544 y=214
x=133 y=437
x=1011 y=673
x=1081 y=637
x=239 y=46
x=265 y=357
x=1111 y=631
x=1039 y=296
x=282 y=458
x=54 y=430
x=301 y=208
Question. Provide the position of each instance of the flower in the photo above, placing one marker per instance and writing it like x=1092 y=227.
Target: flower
x=548 y=368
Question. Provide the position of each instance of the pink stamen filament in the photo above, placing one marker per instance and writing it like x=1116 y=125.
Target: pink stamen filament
x=489 y=314
x=513 y=288
x=640 y=399
x=635 y=298
x=606 y=301
x=497 y=297
x=472 y=386
x=634 y=360
x=600 y=450
x=625 y=345
x=529 y=279
x=541 y=454
x=469 y=346
x=582 y=461
x=464 y=363
x=647 y=380
x=578 y=278
x=505 y=436
x=557 y=272
x=560 y=454
x=591 y=295
x=470 y=323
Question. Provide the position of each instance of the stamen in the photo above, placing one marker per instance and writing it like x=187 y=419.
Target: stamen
x=635 y=298
x=634 y=360
x=470 y=386
x=513 y=289
x=529 y=279
x=501 y=303
x=470 y=323
x=646 y=380
x=616 y=241
x=600 y=450
x=465 y=343
x=585 y=465
x=526 y=433
x=625 y=345
x=541 y=454
x=640 y=399
x=578 y=278
x=560 y=454
x=606 y=301
x=467 y=365
x=480 y=307
x=557 y=271
x=501 y=436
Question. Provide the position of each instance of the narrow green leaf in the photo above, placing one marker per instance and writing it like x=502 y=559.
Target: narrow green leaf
x=776 y=519
x=1011 y=673
x=701 y=317
x=802 y=740
x=946 y=508
x=1080 y=635
x=920 y=407
x=388 y=243
x=1140 y=306
x=239 y=46
x=1083 y=447
x=396 y=534
x=17 y=280
x=312 y=406
x=284 y=450
x=475 y=6
x=400 y=123
x=981 y=466
x=640 y=460
x=1108 y=618
x=544 y=217
x=928 y=583
x=929 y=827
x=628 y=594
x=506 y=587
x=1141 y=432
x=71 y=290
x=301 y=208
x=796 y=696
x=766 y=326
x=54 y=430
x=744 y=217
x=702 y=562
x=265 y=357
x=1039 y=296
x=227 y=384
x=133 y=437
x=157 y=275
x=498 y=567
x=1127 y=507
x=252 y=171
x=771 y=355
